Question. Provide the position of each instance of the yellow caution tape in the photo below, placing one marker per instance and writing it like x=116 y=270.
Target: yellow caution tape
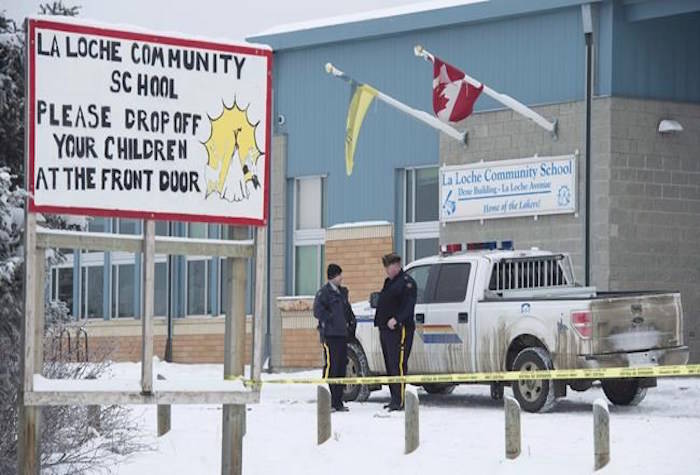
x=599 y=373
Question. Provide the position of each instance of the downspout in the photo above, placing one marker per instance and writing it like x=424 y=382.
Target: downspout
x=586 y=16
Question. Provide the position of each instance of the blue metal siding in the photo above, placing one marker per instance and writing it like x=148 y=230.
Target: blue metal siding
x=438 y=17
x=538 y=59
x=657 y=59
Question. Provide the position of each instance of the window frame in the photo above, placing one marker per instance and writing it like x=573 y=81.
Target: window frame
x=309 y=237
x=416 y=230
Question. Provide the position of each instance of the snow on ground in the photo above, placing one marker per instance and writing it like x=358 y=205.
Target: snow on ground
x=460 y=433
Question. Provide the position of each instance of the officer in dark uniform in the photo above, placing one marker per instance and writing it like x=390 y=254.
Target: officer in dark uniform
x=336 y=324
x=395 y=319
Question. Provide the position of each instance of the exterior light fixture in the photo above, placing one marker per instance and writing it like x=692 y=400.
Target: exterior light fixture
x=667 y=126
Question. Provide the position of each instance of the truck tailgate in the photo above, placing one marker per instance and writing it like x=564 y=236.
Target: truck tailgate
x=636 y=322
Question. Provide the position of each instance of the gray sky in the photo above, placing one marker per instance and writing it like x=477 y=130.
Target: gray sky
x=233 y=19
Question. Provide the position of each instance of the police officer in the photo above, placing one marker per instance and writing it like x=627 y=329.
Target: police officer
x=395 y=319
x=336 y=323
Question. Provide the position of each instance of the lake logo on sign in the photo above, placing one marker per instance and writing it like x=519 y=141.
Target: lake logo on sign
x=449 y=205
x=233 y=155
x=564 y=196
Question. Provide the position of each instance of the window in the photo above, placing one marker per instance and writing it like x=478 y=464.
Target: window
x=123 y=290
x=162 y=228
x=97 y=225
x=420 y=275
x=452 y=283
x=94 y=287
x=309 y=203
x=197 y=287
x=425 y=190
x=197 y=230
x=420 y=248
x=308 y=274
x=160 y=305
x=65 y=287
x=197 y=274
x=421 y=226
x=309 y=234
x=127 y=226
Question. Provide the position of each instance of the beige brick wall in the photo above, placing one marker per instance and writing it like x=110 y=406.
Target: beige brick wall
x=359 y=250
x=302 y=349
x=300 y=342
x=195 y=340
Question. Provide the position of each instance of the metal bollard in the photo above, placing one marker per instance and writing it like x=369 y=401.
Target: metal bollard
x=411 y=421
x=164 y=415
x=323 y=414
x=513 y=434
x=601 y=434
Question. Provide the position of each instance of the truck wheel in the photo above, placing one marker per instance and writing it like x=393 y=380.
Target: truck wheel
x=357 y=367
x=623 y=392
x=437 y=388
x=534 y=395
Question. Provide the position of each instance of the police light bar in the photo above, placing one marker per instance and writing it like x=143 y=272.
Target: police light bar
x=447 y=249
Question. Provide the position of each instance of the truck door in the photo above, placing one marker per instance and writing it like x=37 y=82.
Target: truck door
x=425 y=277
x=447 y=330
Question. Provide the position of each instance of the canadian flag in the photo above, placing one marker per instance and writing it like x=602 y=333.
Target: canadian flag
x=453 y=96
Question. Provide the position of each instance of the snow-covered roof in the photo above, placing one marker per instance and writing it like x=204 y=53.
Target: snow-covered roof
x=396 y=20
x=360 y=224
x=363 y=16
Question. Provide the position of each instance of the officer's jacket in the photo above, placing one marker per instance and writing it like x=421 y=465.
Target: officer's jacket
x=334 y=312
x=396 y=300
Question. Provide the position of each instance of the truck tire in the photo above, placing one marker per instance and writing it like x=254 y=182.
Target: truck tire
x=581 y=385
x=438 y=388
x=534 y=395
x=623 y=392
x=358 y=366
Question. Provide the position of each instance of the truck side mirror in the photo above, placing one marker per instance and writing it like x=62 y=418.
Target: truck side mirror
x=374 y=299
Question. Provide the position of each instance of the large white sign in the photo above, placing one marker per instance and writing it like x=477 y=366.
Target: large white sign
x=504 y=189
x=133 y=124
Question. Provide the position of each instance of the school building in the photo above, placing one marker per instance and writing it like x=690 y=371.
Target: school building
x=644 y=181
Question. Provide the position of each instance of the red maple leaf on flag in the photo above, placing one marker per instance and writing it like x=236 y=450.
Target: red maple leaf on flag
x=453 y=96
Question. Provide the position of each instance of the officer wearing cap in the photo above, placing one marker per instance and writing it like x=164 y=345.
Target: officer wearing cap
x=395 y=319
x=336 y=323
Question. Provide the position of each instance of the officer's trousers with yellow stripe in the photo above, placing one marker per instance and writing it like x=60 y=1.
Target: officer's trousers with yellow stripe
x=396 y=346
x=335 y=356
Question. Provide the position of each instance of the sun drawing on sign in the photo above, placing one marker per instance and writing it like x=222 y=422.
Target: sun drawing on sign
x=233 y=155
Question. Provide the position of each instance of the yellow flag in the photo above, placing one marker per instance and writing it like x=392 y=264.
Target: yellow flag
x=356 y=113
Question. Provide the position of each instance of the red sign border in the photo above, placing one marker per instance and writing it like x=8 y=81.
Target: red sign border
x=151 y=38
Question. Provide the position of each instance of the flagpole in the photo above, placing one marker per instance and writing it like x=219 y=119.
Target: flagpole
x=419 y=115
x=504 y=99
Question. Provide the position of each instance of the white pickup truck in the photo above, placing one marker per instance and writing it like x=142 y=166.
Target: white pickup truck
x=495 y=310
